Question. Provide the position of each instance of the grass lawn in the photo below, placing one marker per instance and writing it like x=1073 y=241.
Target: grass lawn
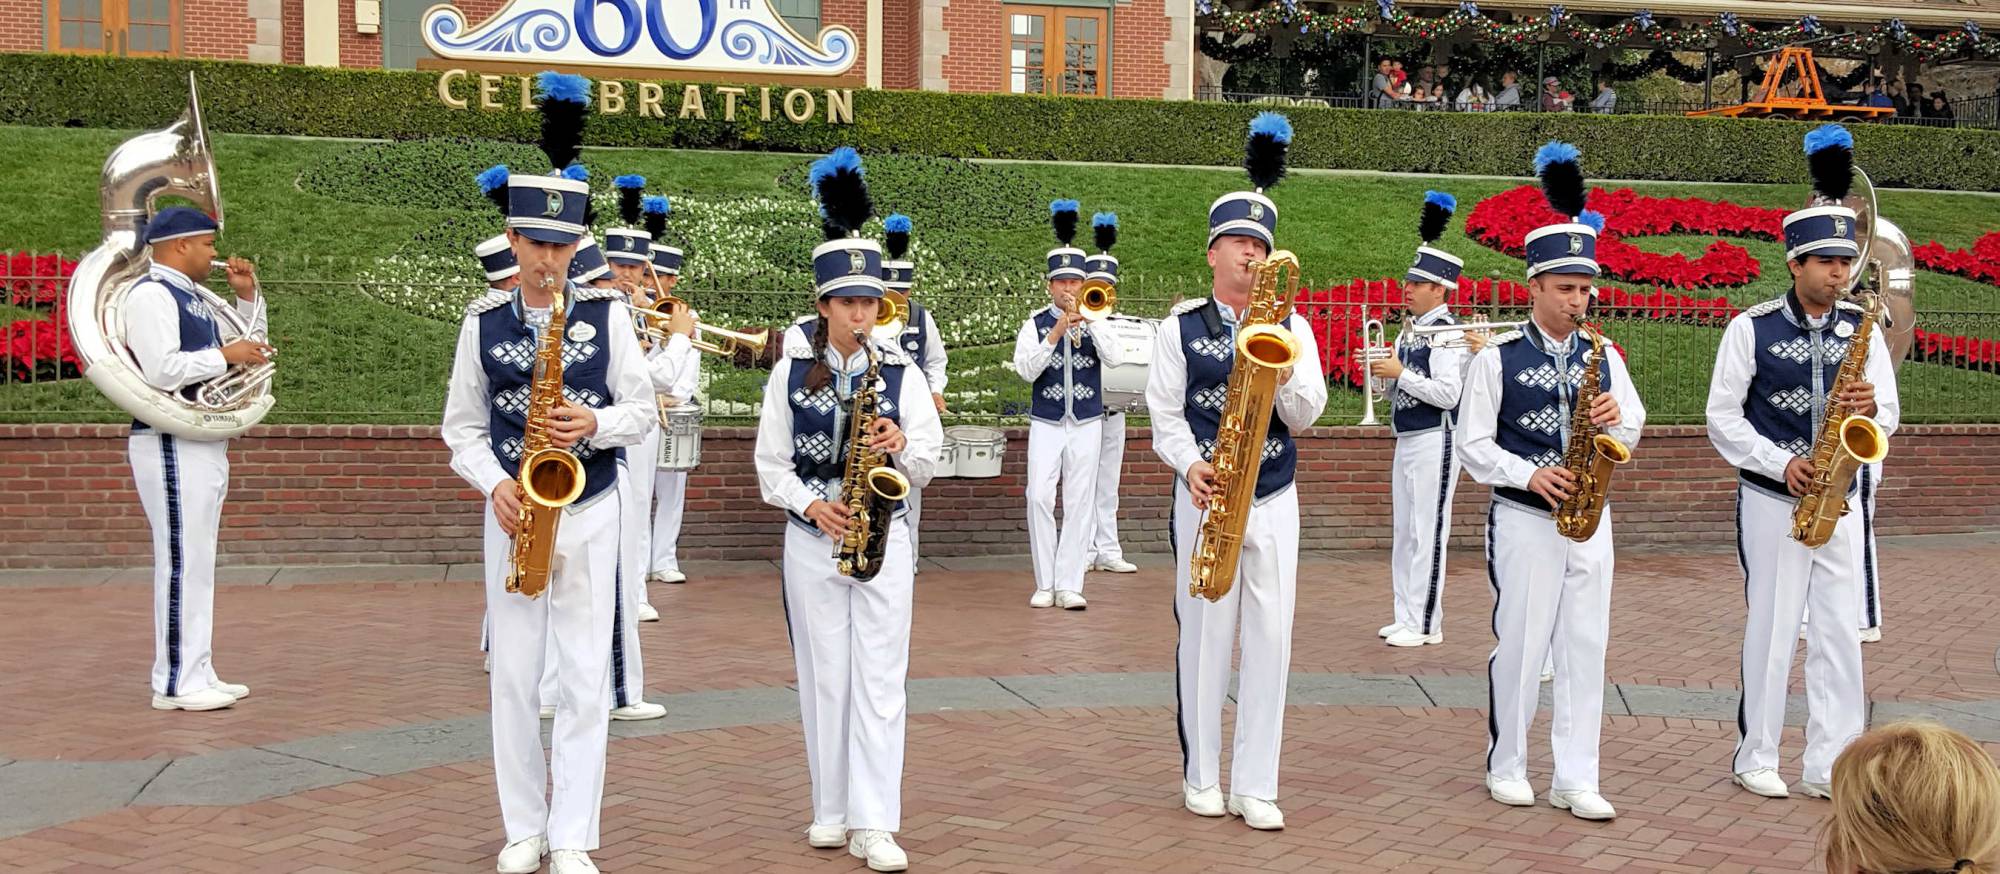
x=365 y=251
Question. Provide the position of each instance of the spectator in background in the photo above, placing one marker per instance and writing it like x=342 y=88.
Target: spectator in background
x=1439 y=99
x=1552 y=97
x=1940 y=106
x=1444 y=75
x=1384 y=88
x=1911 y=797
x=1606 y=101
x=1472 y=98
x=1509 y=97
x=1896 y=99
x=1397 y=75
x=1916 y=100
x=1426 y=77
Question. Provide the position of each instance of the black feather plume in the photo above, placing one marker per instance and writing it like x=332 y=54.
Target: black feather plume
x=564 y=102
x=656 y=226
x=1062 y=217
x=1830 y=158
x=1562 y=177
x=843 y=192
x=1438 y=207
x=1264 y=152
x=628 y=205
x=1104 y=231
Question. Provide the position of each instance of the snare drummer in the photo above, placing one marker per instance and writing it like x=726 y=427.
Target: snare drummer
x=1059 y=352
x=677 y=375
x=919 y=338
x=1426 y=375
x=1105 y=553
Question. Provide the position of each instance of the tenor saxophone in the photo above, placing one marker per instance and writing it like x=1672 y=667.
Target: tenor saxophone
x=1591 y=455
x=1845 y=442
x=869 y=487
x=550 y=478
x=1263 y=348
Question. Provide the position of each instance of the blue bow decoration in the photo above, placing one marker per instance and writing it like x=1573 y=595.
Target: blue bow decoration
x=1201 y=7
x=1556 y=15
x=1729 y=23
x=1972 y=29
x=1386 y=7
x=1809 y=24
x=1470 y=8
x=1644 y=19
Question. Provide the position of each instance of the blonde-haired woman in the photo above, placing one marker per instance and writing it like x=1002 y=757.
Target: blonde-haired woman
x=1912 y=798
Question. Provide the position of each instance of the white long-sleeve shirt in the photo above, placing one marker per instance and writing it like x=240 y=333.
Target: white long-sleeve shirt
x=153 y=333
x=1032 y=352
x=777 y=475
x=623 y=422
x=934 y=354
x=675 y=367
x=1300 y=400
x=1442 y=388
x=1479 y=414
x=1729 y=428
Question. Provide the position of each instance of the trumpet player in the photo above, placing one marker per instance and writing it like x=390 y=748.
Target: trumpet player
x=1057 y=350
x=850 y=638
x=1426 y=375
x=1105 y=552
x=608 y=403
x=919 y=335
x=1551 y=594
x=173 y=338
x=677 y=375
x=1186 y=391
x=1775 y=377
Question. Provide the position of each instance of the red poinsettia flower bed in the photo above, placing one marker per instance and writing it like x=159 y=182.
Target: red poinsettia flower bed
x=36 y=280
x=1982 y=263
x=1503 y=221
x=37 y=349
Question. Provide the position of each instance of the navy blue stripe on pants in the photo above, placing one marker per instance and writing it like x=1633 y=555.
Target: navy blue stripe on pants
x=170 y=474
x=1437 y=537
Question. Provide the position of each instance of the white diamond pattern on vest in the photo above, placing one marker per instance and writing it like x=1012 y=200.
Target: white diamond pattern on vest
x=1541 y=376
x=816 y=446
x=1797 y=350
x=1546 y=458
x=1797 y=399
x=821 y=401
x=1797 y=446
x=1547 y=420
x=1212 y=398
x=575 y=352
x=1273 y=447
x=520 y=353
x=1220 y=350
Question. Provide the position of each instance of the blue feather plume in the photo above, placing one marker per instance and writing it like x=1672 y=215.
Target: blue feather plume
x=493 y=177
x=1104 y=230
x=1830 y=160
x=654 y=205
x=1553 y=152
x=629 y=180
x=1828 y=136
x=1264 y=152
x=1272 y=124
x=897 y=224
x=1593 y=218
x=577 y=173
x=1438 y=207
x=1062 y=217
x=896 y=235
x=1441 y=199
x=565 y=87
x=1562 y=177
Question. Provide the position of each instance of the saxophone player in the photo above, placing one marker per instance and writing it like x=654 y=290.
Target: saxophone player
x=181 y=482
x=1426 y=378
x=850 y=634
x=1186 y=392
x=1551 y=594
x=1774 y=380
x=608 y=403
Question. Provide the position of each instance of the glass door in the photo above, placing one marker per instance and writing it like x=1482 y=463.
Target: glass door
x=1055 y=50
x=139 y=28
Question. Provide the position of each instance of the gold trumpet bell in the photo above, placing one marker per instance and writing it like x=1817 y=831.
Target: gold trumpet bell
x=1096 y=299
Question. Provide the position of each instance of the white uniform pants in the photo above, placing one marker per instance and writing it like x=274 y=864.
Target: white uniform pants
x=1551 y=595
x=1110 y=468
x=671 y=487
x=915 y=503
x=1063 y=452
x=181 y=485
x=1264 y=595
x=570 y=623
x=628 y=670
x=641 y=475
x=851 y=645
x=1422 y=483
x=1781 y=577
x=1870 y=559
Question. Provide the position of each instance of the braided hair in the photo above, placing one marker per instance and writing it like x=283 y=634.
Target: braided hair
x=820 y=375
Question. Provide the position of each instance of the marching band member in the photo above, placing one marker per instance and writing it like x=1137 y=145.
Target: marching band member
x=920 y=339
x=1427 y=377
x=1185 y=392
x=607 y=403
x=1767 y=394
x=1105 y=553
x=677 y=373
x=850 y=638
x=503 y=274
x=1550 y=592
x=1058 y=351
x=173 y=339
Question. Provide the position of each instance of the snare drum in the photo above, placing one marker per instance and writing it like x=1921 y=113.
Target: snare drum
x=947 y=464
x=680 y=437
x=979 y=450
x=1125 y=384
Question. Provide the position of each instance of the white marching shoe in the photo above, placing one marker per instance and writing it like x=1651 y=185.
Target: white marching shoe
x=548 y=711
x=1413 y=637
x=234 y=690
x=1548 y=673
x=1257 y=813
x=1822 y=791
x=879 y=849
x=1871 y=635
x=1071 y=600
x=1042 y=598
x=1114 y=565
x=648 y=614
x=1763 y=781
x=638 y=711
x=827 y=837
x=1582 y=804
x=1513 y=793
x=1202 y=802
x=571 y=862
x=672 y=576
x=210 y=698
x=1389 y=629
x=489 y=663
x=523 y=856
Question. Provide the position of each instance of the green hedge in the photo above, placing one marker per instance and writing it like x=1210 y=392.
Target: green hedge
x=79 y=91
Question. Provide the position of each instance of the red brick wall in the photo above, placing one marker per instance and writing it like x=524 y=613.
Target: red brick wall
x=216 y=29
x=366 y=494
x=977 y=60
x=357 y=49
x=1138 y=66
x=902 y=33
x=292 y=44
x=26 y=27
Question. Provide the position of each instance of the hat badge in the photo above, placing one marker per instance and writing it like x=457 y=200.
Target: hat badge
x=1417 y=260
x=1839 y=226
x=856 y=262
x=1575 y=244
x=1256 y=211
x=554 y=206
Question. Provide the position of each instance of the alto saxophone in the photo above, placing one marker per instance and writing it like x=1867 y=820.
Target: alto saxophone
x=1845 y=442
x=550 y=478
x=1591 y=455
x=869 y=487
x=1263 y=347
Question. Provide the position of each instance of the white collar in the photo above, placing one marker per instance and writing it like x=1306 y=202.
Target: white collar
x=173 y=277
x=1434 y=313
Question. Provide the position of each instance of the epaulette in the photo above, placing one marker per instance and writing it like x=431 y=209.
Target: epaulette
x=1188 y=306
x=487 y=301
x=801 y=348
x=594 y=293
x=1764 y=309
x=805 y=318
x=1506 y=338
x=891 y=354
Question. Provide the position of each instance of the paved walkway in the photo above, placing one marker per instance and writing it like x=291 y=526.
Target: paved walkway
x=1038 y=740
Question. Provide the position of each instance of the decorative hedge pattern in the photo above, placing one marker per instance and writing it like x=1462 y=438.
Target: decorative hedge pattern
x=79 y=91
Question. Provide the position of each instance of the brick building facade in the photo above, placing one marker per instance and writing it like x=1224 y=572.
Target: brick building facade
x=1118 y=48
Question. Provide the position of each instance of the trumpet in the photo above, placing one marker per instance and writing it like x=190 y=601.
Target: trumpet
x=1426 y=334
x=1375 y=346
x=707 y=338
x=892 y=315
x=1096 y=299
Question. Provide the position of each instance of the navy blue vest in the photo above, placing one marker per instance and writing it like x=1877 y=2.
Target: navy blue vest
x=1071 y=384
x=915 y=335
x=1535 y=402
x=197 y=324
x=819 y=436
x=1795 y=369
x=1210 y=349
x=1409 y=415
x=507 y=347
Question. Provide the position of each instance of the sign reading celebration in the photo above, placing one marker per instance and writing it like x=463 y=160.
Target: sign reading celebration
x=721 y=36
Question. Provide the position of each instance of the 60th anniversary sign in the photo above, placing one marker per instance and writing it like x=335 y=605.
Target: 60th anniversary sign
x=464 y=89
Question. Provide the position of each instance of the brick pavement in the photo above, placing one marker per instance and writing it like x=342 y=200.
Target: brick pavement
x=988 y=791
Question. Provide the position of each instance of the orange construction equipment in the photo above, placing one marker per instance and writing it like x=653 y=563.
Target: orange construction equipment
x=1791 y=90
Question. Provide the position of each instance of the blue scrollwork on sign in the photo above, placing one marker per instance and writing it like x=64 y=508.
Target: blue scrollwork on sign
x=743 y=38
x=537 y=29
